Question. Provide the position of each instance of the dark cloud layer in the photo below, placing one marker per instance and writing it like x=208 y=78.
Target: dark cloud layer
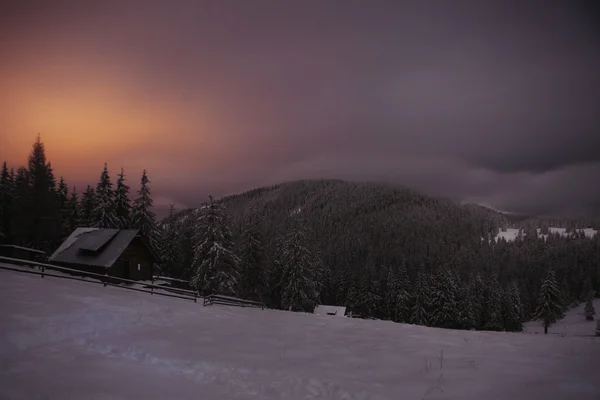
x=495 y=102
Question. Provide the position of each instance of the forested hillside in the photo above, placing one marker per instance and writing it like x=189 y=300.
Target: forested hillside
x=383 y=251
x=389 y=252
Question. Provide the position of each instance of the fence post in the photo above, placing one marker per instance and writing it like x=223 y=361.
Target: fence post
x=105 y=275
x=43 y=271
x=151 y=290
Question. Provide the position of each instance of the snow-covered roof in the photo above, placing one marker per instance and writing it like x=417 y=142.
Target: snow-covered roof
x=330 y=310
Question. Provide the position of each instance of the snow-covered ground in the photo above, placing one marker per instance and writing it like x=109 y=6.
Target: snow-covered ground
x=510 y=234
x=63 y=339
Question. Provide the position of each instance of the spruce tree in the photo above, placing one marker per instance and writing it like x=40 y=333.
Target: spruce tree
x=549 y=308
x=104 y=215
x=6 y=198
x=589 y=310
x=170 y=246
x=87 y=207
x=403 y=296
x=215 y=265
x=40 y=202
x=598 y=328
x=512 y=309
x=71 y=221
x=477 y=294
x=443 y=300
x=420 y=309
x=252 y=255
x=467 y=318
x=122 y=202
x=390 y=289
x=492 y=315
x=142 y=217
x=62 y=201
x=300 y=270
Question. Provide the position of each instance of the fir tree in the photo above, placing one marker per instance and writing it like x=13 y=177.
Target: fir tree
x=403 y=297
x=87 y=207
x=493 y=305
x=40 y=202
x=477 y=294
x=300 y=270
x=216 y=266
x=122 y=202
x=598 y=328
x=71 y=215
x=549 y=308
x=589 y=310
x=443 y=300
x=466 y=309
x=105 y=211
x=170 y=245
x=6 y=199
x=390 y=288
x=420 y=309
x=142 y=217
x=62 y=201
x=252 y=254
x=512 y=309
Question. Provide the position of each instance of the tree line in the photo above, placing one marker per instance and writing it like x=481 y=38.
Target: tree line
x=383 y=251
x=39 y=211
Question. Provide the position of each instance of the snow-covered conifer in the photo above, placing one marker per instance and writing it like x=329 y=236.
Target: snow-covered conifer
x=443 y=300
x=122 y=202
x=215 y=265
x=420 y=309
x=549 y=307
x=142 y=216
x=589 y=310
x=87 y=206
x=252 y=256
x=104 y=215
x=300 y=270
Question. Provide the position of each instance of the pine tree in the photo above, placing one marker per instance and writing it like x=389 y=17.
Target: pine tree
x=142 y=217
x=477 y=294
x=252 y=255
x=122 y=202
x=87 y=207
x=467 y=318
x=171 y=249
x=300 y=270
x=403 y=296
x=443 y=300
x=512 y=309
x=589 y=310
x=40 y=202
x=598 y=327
x=105 y=215
x=6 y=198
x=216 y=266
x=62 y=201
x=71 y=215
x=390 y=288
x=549 y=308
x=420 y=309
x=493 y=305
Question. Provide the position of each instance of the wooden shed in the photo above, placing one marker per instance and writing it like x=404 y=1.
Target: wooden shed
x=330 y=310
x=22 y=253
x=120 y=253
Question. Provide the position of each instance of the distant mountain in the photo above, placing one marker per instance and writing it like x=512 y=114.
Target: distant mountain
x=362 y=231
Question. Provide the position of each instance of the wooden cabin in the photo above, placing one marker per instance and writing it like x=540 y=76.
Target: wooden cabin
x=120 y=253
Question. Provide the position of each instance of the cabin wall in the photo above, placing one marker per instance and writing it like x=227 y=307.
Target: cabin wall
x=126 y=265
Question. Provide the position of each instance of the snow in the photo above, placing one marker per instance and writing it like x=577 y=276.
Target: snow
x=510 y=234
x=63 y=339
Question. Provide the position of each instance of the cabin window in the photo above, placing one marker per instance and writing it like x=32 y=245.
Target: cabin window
x=139 y=267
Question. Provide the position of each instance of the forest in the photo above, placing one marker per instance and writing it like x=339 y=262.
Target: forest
x=384 y=251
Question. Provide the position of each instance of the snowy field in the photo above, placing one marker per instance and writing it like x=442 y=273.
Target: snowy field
x=66 y=340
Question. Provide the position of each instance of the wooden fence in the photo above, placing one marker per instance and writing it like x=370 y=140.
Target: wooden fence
x=103 y=279
x=231 y=301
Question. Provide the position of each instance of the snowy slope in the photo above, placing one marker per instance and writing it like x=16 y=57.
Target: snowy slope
x=573 y=324
x=74 y=340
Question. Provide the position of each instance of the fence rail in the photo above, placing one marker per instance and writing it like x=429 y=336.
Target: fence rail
x=231 y=301
x=104 y=279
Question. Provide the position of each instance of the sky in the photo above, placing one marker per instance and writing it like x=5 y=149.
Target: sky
x=496 y=102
